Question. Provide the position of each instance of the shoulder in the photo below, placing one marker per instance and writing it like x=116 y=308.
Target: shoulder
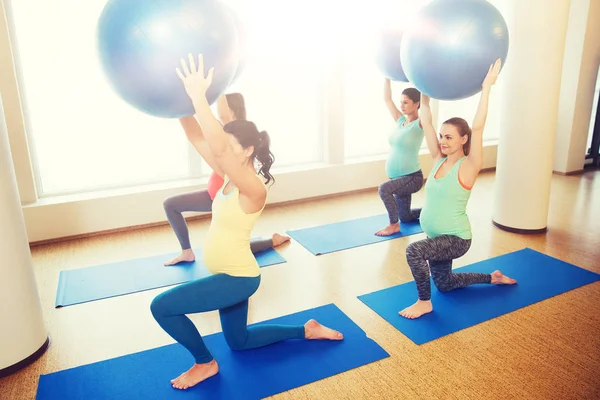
x=260 y=188
x=401 y=120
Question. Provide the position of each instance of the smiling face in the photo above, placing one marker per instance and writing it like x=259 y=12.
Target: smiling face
x=451 y=140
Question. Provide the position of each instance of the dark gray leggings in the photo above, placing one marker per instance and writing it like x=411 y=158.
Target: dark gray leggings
x=440 y=251
x=396 y=195
x=199 y=201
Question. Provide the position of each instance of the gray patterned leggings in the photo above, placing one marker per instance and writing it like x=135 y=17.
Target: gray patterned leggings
x=396 y=195
x=440 y=251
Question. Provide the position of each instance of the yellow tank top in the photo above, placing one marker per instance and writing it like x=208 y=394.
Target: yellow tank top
x=227 y=247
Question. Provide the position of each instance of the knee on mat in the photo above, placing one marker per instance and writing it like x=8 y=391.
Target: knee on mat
x=404 y=217
x=442 y=286
x=236 y=343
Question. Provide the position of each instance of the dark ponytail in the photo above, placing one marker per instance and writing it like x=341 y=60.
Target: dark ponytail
x=248 y=135
x=264 y=156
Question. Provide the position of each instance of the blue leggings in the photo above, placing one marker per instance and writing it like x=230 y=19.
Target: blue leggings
x=228 y=294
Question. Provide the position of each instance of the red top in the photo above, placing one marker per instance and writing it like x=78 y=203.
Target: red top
x=214 y=184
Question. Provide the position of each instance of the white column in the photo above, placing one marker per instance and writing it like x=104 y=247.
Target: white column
x=579 y=74
x=23 y=336
x=13 y=113
x=529 y=109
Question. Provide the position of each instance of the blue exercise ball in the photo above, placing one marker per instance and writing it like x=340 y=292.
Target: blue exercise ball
x=242 y=46
x=141 y=42
x=388 y=55
x=448 y=49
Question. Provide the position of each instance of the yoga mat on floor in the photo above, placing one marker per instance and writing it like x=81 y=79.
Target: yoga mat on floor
x=124 y=277
x=249 y=374
x=538 y=276
x=348 y=234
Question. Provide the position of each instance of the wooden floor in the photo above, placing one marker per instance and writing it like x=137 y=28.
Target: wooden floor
x=550 y=350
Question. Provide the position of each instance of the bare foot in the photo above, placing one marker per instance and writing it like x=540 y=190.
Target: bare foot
x=389 y=230
x=498 y=278
x=185 y=256
x=315 y=331
x=278 y=239
x=195 y=375
x=416 y=310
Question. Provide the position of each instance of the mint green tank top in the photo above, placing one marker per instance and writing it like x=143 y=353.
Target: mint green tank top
x=405 y=142
x=445 y=209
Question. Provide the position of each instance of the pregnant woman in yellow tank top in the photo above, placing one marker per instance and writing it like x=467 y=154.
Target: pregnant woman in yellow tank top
x=231 y=151
x=457 y=159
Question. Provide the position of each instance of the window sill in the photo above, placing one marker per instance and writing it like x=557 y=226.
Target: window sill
x=84 y=213
x=200 y=183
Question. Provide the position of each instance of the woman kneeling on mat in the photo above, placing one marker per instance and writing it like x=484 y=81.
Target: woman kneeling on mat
x=231 y=150
x=230 y=107
x=403 y=166
x=457 y=159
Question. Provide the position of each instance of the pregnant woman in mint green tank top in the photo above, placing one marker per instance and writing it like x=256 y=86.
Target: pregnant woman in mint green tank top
x=457 y=160
x=403 y=166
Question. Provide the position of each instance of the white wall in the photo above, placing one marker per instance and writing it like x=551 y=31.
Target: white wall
x=13 y=114
x=580 y=70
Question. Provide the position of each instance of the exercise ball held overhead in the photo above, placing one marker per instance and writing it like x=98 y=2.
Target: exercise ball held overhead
x=388 y=55
x=141 y=43
x=242 y=46
x=448 y=48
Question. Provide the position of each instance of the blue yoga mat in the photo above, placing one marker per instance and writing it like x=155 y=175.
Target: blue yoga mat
x=538 y=276
x=249 y=374
x=348 y=234
x=124 y=277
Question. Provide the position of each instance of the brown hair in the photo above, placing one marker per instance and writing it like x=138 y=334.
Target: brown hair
x=413 y=94
x=247 y=134
x=237 y=105
x=463 y=129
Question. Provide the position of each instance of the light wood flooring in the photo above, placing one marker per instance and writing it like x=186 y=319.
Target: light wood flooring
x=550 y=350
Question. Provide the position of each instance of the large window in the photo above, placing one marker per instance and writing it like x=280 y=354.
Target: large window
x=283 y=82
x=86 y=138
x=367 y=121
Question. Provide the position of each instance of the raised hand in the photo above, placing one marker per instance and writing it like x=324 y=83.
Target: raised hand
x=196 y=84
x=492 y=74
